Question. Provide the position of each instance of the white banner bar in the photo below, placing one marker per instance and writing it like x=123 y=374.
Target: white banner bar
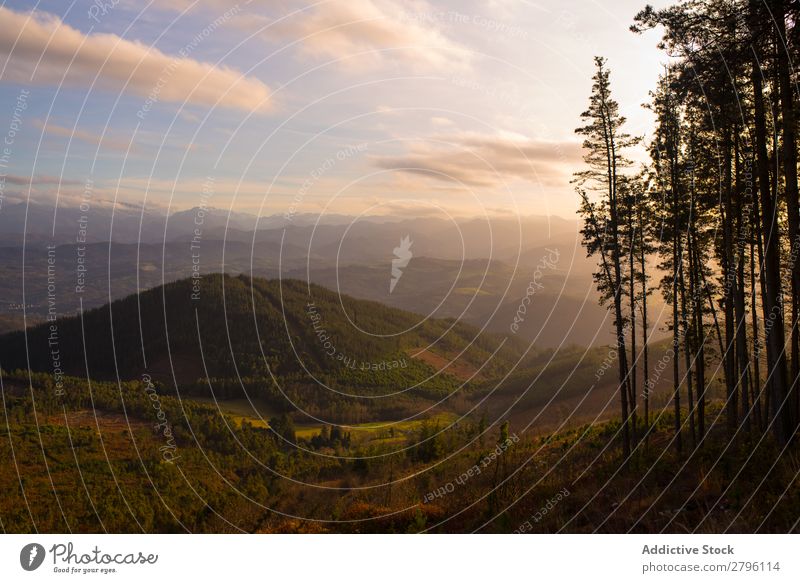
x=400 y=559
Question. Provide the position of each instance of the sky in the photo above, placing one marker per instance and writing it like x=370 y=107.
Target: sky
x=358 y=107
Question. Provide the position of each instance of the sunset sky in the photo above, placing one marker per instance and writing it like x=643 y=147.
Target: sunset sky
x=364 y=106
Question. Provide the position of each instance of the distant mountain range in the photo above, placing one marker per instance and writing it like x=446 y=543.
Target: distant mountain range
x=476 y=271
x=125 y=223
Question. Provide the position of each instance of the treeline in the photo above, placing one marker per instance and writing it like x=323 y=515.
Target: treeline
x=712 y=221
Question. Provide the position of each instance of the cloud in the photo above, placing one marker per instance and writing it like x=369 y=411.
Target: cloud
x=441 y=121
x=47 y=50
x=189 y=116
x=37 y=180
x=486 y=160
x=414 y=209
x=40 y=188
x=379 y=31
x=107 y=141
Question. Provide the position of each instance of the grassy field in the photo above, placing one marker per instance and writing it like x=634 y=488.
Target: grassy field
x=258 y=413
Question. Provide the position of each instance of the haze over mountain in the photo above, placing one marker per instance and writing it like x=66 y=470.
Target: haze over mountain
x=492 y=235
x=474 y=270
x=120 y=222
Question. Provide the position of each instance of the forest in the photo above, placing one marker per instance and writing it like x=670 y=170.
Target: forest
x=711 y=222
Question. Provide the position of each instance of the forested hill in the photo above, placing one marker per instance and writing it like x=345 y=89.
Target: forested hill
x=231 y=327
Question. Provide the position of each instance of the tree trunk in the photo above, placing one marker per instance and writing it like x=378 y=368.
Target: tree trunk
x=687 y=353
x=729 y=287
x=742 y=357
x=645 y=337
x=676 y=386
x=773 y=324
x=699 y=334
x=792 y=205
x=632 y=309
x=756 y=365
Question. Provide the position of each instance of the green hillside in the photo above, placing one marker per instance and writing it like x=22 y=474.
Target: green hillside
x=292 y=345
